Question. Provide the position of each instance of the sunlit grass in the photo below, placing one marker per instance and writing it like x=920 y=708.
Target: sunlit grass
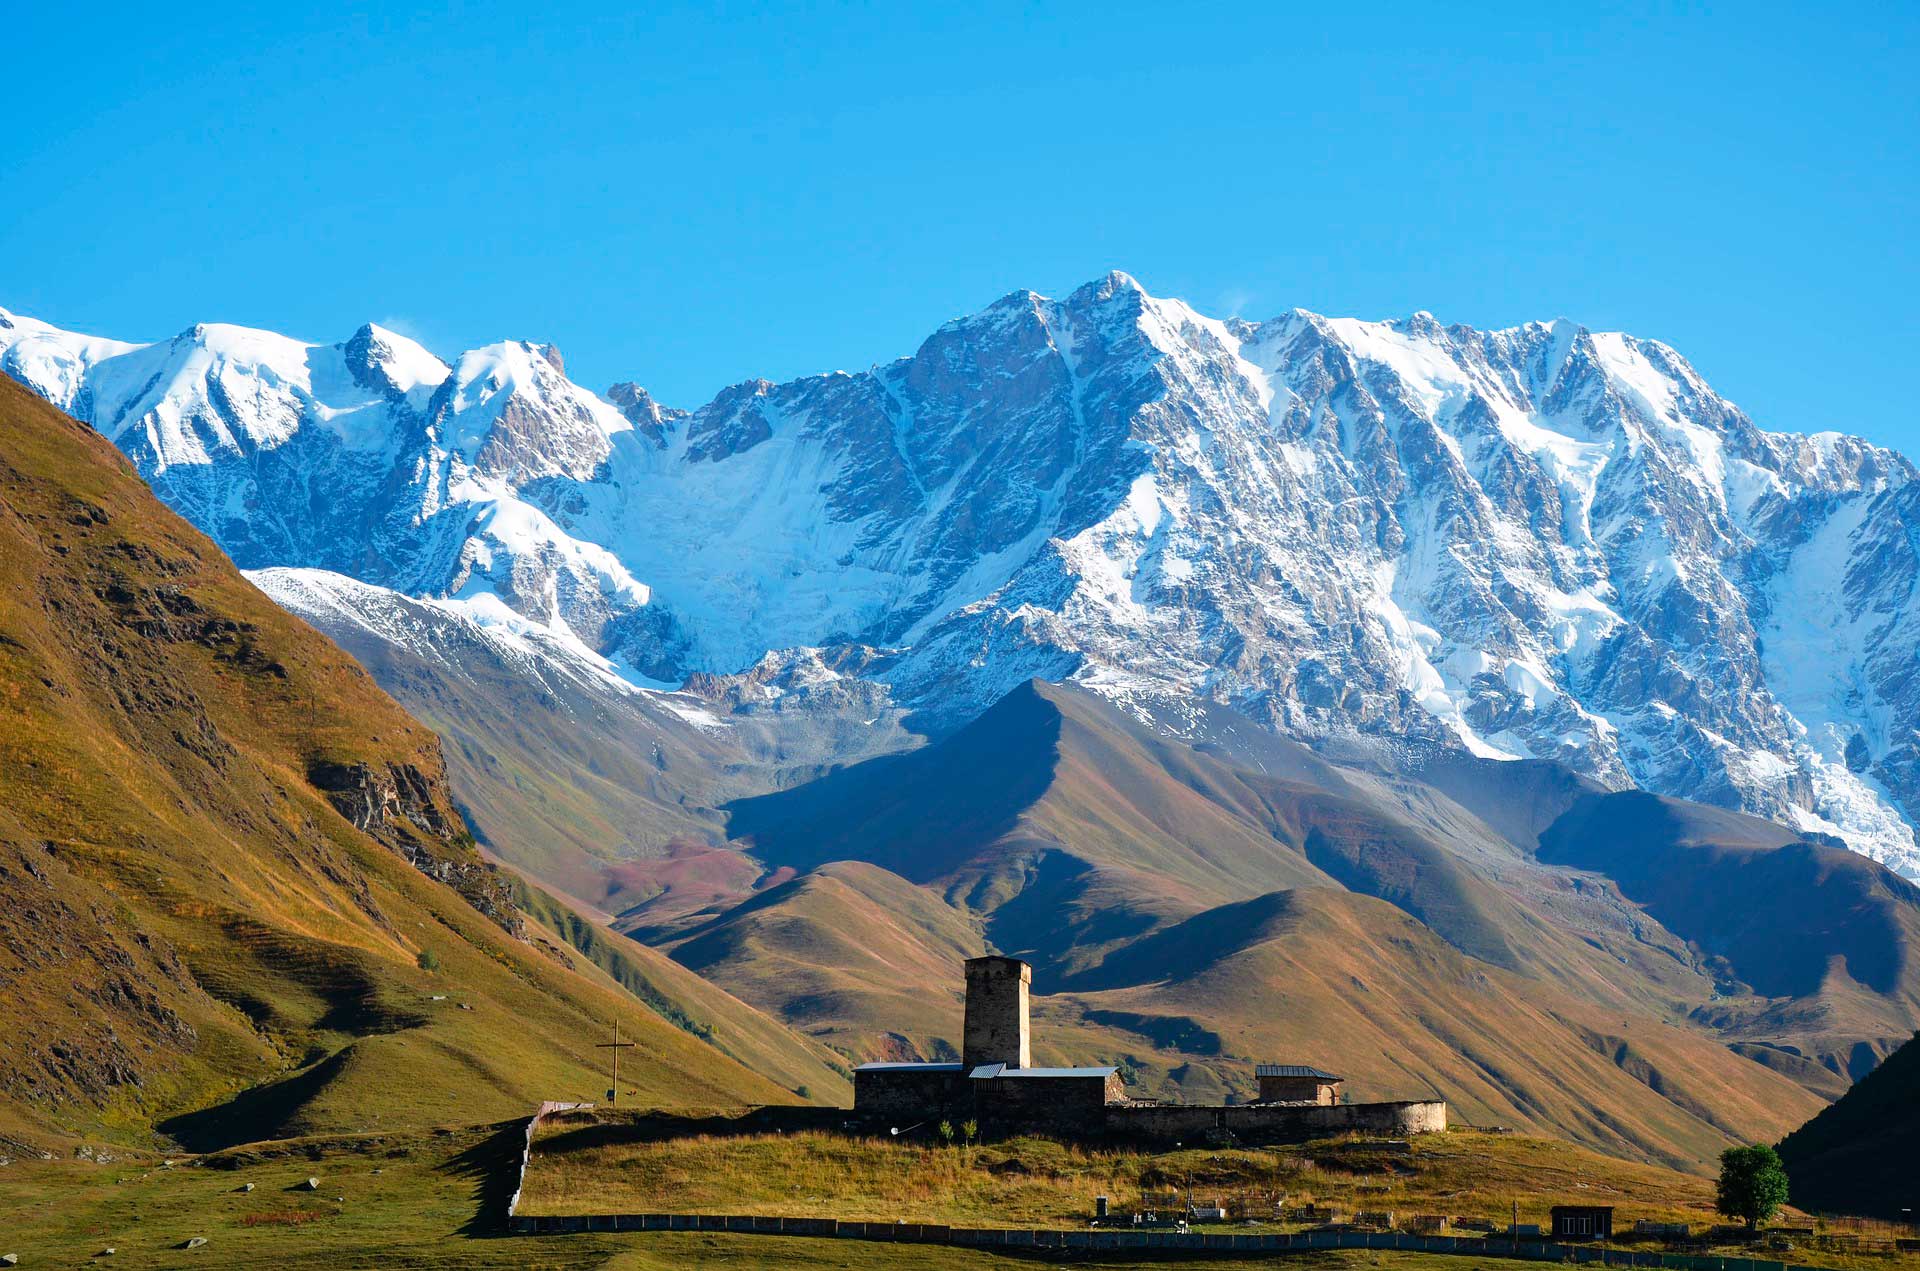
x=1039 y=1181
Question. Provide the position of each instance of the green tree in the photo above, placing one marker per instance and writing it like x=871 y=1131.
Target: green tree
x=946 y=1131
x=971 y=1129
x=1753 y=1184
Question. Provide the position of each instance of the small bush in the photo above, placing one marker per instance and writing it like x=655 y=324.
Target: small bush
x=282 y=1218
x=428 y=960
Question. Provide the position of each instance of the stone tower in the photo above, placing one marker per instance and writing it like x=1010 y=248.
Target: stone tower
x=996 y=1026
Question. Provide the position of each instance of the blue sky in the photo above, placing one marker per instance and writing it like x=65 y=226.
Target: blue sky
x=690 y=197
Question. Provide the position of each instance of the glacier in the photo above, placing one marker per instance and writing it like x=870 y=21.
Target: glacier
x=1540 y=542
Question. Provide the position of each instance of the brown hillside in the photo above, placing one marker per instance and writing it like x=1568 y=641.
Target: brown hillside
x=235 y=899
x=1195 y=906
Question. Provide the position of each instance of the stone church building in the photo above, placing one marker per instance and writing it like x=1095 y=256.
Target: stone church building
x=996 y=1084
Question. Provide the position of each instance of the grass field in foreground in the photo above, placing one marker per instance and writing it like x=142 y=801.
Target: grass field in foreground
x=410 y=1201
x=431 y=1199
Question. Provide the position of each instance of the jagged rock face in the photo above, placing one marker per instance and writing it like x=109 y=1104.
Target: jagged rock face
x=1544 y=541
x=648 y=417
x=385 y=801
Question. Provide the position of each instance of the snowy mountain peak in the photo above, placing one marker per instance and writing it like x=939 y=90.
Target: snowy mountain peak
x=508 y=413
x=1115 y=282
x=1536 y=541
x=387 y=362
x=52 y=362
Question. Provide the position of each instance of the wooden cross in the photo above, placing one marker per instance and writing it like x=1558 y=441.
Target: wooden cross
x=615 y=1046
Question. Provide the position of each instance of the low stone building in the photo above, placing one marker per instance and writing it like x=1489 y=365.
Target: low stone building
x=1297 y=1083
x=996 y=1085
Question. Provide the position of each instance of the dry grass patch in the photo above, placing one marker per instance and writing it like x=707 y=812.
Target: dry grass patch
x=602 y=1164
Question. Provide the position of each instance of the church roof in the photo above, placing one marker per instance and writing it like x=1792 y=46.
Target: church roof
x=988 y=1071
x=910 y=1067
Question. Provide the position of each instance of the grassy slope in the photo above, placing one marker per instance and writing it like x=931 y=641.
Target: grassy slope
x=850 y=953
x=583 y=787
x=1831 y=935
x=182 y=913
x=1315 y=975
x=1349 y=982
x=604 y=1163
x=555 y=779
x=431 y=1199
x=768 y=1047
x=429 y=1206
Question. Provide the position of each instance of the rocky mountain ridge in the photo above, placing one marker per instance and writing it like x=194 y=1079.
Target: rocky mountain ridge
x=1541 y=542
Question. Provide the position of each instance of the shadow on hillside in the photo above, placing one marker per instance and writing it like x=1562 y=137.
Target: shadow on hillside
x=263 y=1112
x=573 y=1132
x=494 y=1165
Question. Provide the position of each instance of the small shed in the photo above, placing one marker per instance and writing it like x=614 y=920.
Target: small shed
x=1297 y=1083
x=1583 y=1222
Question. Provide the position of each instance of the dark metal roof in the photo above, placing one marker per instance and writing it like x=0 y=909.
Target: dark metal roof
x=910 y=1068
x=1294 y=1070
x=986 y=1072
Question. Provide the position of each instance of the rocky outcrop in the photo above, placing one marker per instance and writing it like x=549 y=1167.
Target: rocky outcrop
x=396 y=803
x=375 y=798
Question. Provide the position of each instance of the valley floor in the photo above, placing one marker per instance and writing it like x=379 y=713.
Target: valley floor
x=428 y=1200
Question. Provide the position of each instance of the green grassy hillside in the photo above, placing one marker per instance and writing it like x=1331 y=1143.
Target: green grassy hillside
x=432 y=1200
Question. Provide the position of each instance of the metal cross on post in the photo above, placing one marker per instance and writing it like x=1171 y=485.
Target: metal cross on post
x=615 y=1046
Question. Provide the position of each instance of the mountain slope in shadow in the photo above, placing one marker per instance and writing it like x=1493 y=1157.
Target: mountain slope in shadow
x=1200 y=902
x=1856 y=1157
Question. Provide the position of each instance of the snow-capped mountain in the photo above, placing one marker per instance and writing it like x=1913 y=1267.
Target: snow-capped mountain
x=1543 y=541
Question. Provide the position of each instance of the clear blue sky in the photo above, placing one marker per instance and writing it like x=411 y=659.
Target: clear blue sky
x=690 y=198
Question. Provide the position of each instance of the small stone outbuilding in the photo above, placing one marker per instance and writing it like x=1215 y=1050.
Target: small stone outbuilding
x=1297 y=1083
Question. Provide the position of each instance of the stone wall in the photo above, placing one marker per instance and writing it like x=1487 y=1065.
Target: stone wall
x=1057 y=1105
x=1254 y=1123
x=904 y=1096
x=1214 y=1244
x=1298 y=1090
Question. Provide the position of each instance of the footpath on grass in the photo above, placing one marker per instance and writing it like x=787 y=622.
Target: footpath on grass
x=1105 y=1240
